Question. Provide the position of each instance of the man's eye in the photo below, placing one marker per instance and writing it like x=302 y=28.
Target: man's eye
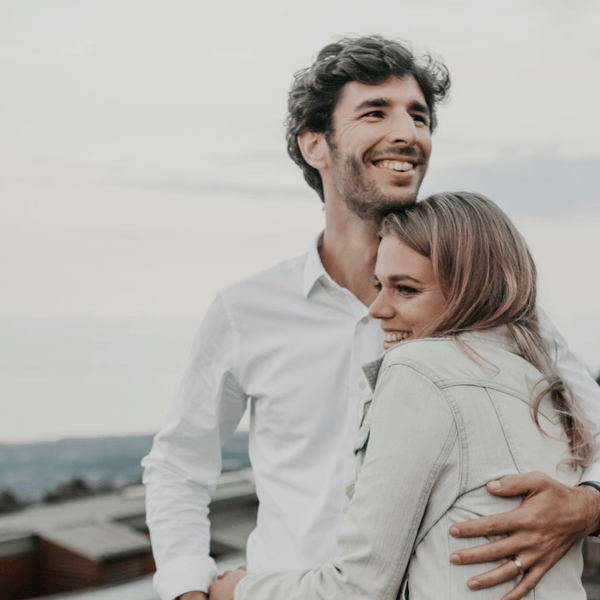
x=377 y=286
x=374 y=113
x=421 y=119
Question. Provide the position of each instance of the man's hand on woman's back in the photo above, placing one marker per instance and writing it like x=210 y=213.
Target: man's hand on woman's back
x=550 y=520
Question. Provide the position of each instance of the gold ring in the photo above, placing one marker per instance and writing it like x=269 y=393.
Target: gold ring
x=519 y=566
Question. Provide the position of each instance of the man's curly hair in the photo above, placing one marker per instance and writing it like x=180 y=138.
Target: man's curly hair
x=369 y=60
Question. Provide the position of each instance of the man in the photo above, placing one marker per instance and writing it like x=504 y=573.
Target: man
x=293 y=339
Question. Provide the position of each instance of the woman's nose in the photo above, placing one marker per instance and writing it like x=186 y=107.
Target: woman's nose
x=381 y=308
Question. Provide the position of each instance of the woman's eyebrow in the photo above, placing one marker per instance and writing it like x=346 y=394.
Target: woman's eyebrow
x=397 y=278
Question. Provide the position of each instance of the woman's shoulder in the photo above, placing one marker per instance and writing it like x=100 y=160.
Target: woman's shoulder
x=486 y=356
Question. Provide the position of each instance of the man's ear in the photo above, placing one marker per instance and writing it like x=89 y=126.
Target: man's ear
x=314 y=149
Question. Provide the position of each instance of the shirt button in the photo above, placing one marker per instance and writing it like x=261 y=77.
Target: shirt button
x=365 y=320
x=362 y=385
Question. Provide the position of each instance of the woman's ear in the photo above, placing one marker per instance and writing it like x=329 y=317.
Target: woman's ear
x=314 y=149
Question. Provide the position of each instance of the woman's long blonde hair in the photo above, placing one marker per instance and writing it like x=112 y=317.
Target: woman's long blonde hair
x=487 y=275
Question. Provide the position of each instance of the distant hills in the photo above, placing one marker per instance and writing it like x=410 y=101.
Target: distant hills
x=30 y=471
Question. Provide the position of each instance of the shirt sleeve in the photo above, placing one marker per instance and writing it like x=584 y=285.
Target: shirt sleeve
x=581 y=384
x=412 y=435
x=185 y=460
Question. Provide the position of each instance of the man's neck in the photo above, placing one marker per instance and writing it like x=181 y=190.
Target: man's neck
x=349 y=250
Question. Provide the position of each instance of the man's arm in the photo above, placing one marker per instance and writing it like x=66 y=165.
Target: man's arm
x=552 y=516
x=185 y=460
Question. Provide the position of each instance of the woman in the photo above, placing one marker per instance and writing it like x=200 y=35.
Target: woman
x=466 y=394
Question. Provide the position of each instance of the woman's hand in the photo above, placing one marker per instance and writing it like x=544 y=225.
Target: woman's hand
x=224 y=586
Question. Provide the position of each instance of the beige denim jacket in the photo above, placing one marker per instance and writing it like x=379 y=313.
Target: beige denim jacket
x=443 y=422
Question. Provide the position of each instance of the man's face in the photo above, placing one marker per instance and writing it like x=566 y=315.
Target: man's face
x=380 y=145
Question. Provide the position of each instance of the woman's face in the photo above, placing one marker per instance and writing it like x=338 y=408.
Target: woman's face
x=409 y=294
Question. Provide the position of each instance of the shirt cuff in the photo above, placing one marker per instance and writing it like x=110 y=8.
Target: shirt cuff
x=184 y=574
x=592 y=473
x=238 y=592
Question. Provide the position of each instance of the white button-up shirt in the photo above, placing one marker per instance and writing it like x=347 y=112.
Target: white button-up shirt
x=291 y=342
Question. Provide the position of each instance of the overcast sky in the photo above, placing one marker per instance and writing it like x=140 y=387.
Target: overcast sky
x=144 y=162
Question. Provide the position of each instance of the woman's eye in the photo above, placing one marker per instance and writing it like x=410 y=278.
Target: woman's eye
x=377 y=286
x=406 y=290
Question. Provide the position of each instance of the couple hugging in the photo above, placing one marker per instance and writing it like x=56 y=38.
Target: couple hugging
x=467 y=448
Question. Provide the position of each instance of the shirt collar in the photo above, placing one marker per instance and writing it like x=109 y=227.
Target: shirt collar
x=314 y=269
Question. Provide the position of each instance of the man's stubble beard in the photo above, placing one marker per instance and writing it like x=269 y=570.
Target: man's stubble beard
x=363 y=197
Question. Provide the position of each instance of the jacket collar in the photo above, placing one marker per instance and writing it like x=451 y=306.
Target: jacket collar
x=498 y=336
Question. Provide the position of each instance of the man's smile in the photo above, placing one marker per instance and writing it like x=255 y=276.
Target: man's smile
x=394 y=165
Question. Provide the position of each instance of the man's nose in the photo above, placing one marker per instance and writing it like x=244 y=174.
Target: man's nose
x=403 y=130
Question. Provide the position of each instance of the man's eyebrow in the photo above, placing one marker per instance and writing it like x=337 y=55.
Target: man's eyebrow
x=419 y=107
x=373 y=103
x=384 y=102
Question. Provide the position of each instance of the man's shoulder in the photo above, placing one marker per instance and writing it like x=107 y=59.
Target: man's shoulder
x=285 y=277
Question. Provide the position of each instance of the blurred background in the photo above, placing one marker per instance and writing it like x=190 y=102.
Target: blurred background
x=144 y=167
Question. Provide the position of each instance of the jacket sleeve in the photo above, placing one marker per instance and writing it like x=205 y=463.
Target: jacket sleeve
x=581 y=384
x=412 y=435
x=185 y=460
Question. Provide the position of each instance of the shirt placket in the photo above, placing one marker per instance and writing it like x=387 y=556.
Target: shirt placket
x=366 y=346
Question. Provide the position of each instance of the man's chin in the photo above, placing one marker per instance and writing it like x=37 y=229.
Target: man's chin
x=402 y=203
x=377 y=211
x=372 y=198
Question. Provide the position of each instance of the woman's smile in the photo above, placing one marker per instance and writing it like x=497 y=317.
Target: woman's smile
x=390 y=338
